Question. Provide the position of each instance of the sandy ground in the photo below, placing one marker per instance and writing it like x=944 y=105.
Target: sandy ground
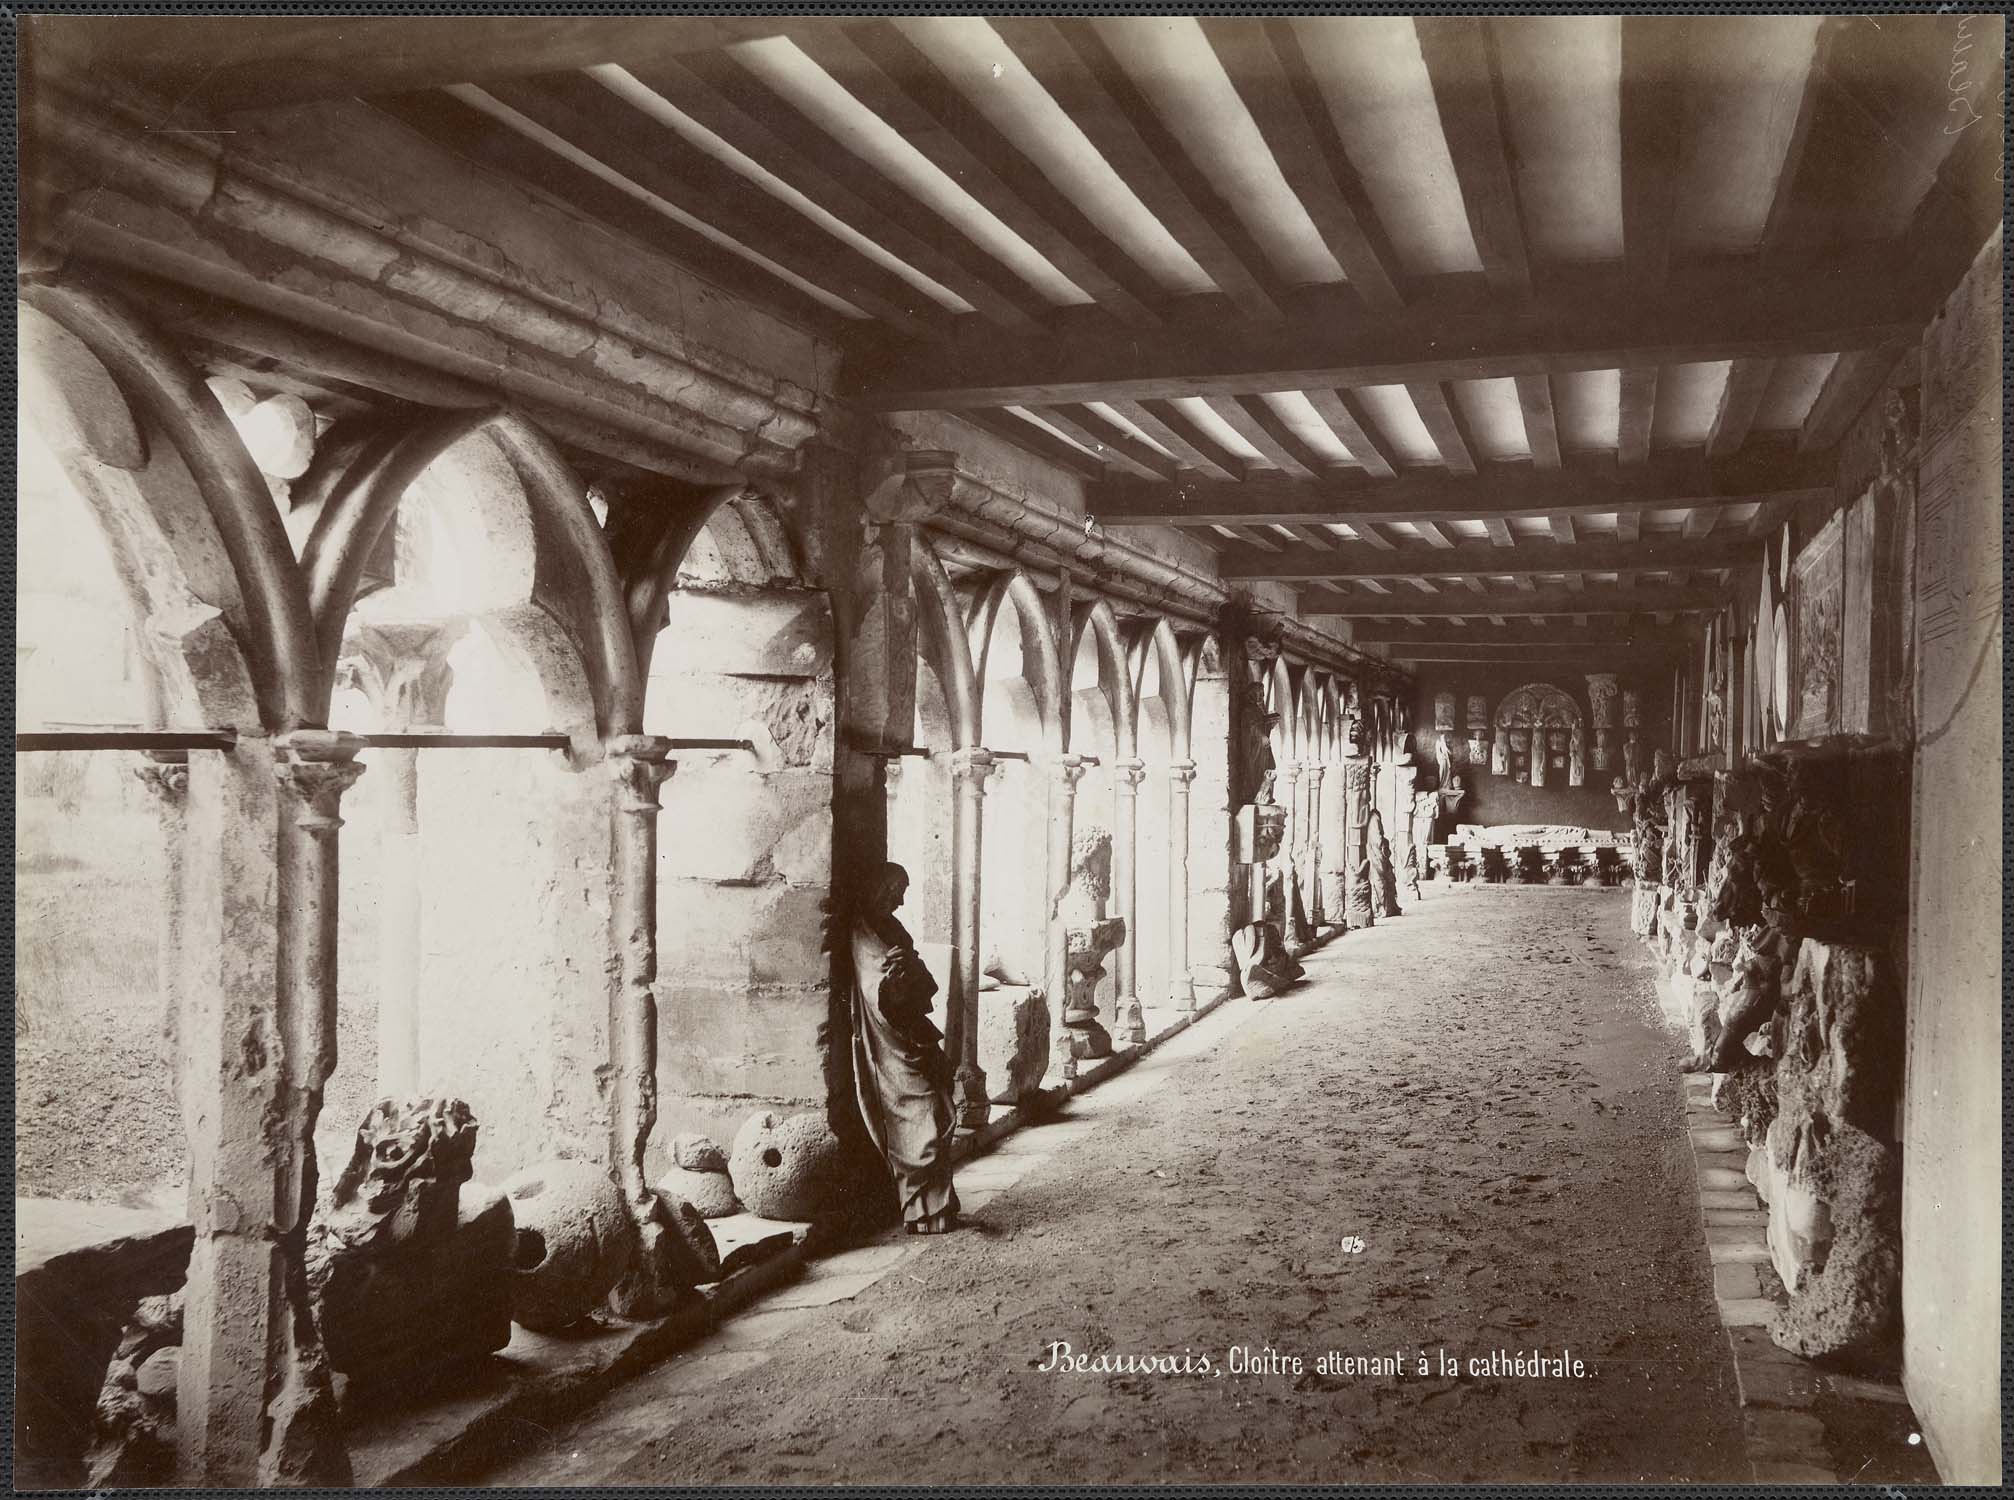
x=1478 y=1091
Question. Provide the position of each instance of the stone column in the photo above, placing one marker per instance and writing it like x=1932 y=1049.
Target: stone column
x=1182 y=989
x=302 y=1437
x=1292 y=929
x=1362 y=894
x=166 y=774
x=1067 y=770
x=1129 y=1024
x=1333 y=847
x=969 y=769
x=1404 y=779
x=637 y=765
x=1318 y=914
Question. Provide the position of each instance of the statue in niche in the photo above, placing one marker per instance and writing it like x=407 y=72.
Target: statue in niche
x=1632 y=761
x=1444 y=761
x=1260 y=725
x=1500 y=754
x=1576 y=774
x=1539 y=756
x=901 y=1077
x=1091 y=935
x=1716 y=706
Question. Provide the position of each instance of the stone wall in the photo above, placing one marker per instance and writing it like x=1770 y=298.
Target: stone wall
x=1952 y=1101
x=744 y=859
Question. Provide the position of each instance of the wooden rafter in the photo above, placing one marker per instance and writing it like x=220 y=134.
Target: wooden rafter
x=1259 y=425
x=1541 y=429
x=1437 y=412
x=1351 y=428
x=1547 y=603
x=1707 y=314
x=1655 y=67
x=1273 y=80
x=1637 y=415
x=1747 y=380
x=1193 y=450
x=1852 y=382
x=1469 y=560
x=1583 y=487
x=1073 y=65
x=1025 y=434
x=1087 y=429
x=715 y=90
x=1461 y=65
x=881 y=68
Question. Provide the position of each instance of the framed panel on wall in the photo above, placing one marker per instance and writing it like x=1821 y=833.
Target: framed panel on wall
x=1817 y=591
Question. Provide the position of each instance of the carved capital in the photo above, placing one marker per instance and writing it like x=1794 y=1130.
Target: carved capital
x=638 y=764
x=165 y=773
x=1316 y=770
x=971 y=768
x=1128 y=774
x=1068 y=770
x=1181 y=773
x=316 y=766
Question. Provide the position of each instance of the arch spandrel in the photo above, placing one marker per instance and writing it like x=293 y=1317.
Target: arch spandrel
x=1538 y=705
x=1041 y=659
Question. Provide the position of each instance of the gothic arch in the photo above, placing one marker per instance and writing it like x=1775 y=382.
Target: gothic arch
x=1041 y=663
x=1538 y=705
x=940 y=627
x=1115 y=681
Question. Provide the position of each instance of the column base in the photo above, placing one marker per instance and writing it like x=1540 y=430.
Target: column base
x=1129 y=1026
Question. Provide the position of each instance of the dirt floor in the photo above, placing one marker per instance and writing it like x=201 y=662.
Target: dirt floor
x=1478 y=1091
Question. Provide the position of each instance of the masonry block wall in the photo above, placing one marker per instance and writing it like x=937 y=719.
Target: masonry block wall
x=744 y=858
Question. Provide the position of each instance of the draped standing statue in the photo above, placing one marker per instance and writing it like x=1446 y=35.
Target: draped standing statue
x=900 y=1075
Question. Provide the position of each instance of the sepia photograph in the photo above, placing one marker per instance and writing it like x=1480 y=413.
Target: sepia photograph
x=867 y=749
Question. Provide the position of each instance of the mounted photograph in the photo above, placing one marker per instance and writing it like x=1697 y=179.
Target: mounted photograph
x=975 y=750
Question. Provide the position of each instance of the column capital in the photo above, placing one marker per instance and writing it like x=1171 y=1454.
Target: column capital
x=317 y=766
x=1315 y=769
x=165 y=773
x=1068 y=768
x=971 y=766
x=639 y=765
x=1181 y=772
x=1127 y=774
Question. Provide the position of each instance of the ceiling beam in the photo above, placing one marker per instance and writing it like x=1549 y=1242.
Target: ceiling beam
x=722 y=95
x=1564 y=653
x=1615 y=630
x=452 y=126
x=1541 y=430
x=1708 y=314
x=1616 y=601
x=1851 y=383
x=1278 y=89
x=1500 y=532
x=882 y=69
x=1075 y=68
x=1194 y=450
x=1083 y=426
x=226 y=63
x=1032 y=439
x=1430 y=400
x=1460 y=56
x=1257 y=424
x=1747 y=380
x=1433 y=536
x=655 y=158
x=1637 y=414
x=1468 y=560
x=1560 y=524
x=1584 y=486
x=1655 y=68
x=1349 y=425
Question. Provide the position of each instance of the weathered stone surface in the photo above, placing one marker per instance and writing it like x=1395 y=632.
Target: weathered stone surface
x=133 y=1443
x=1746 y=1093
x=786 y=1167
x=79 y=1268
x=575 y=1240
x=1265 y=967
x=1851 y=1310
x=407 y=1278
x=711 y=1194
x=1013 y=1040
x=675 y=1253
x=698 y=1153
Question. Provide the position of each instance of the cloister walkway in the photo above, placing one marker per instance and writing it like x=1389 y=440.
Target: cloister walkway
x=1477 y=1091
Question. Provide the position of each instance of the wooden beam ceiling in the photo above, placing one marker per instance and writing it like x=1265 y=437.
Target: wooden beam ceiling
x=1582 y=487
x=1461 y=61
x=1335 y=342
